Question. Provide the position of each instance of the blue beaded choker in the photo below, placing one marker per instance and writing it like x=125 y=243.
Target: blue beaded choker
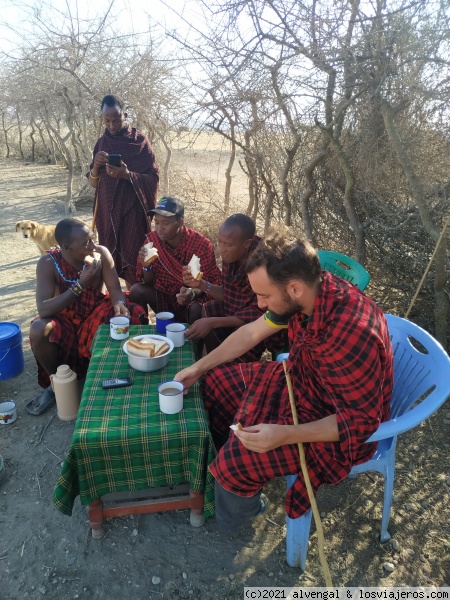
x=58 y=268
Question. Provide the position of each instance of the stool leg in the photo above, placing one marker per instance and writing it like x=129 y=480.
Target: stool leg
x=197 y=503
x=95 y=512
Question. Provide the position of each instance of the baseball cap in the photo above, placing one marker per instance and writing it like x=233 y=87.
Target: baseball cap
x=169 y=206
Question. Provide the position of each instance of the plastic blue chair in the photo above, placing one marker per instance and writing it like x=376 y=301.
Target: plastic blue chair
x=421 y=386
x=344 y=266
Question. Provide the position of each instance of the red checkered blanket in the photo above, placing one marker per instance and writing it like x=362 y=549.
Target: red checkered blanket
x=340 y=362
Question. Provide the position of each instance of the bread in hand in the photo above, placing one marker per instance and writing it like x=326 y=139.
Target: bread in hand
x=151 y=254
x=236 y=427
x=90 y=259
x=194 y=265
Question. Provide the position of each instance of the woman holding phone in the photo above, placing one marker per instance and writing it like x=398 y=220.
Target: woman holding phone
x=125 y=176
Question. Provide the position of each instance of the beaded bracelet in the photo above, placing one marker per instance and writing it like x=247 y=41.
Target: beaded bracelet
x=208 y=287
x=147 y=269
x=76 y=289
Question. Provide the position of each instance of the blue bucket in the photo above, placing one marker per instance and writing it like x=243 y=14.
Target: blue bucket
x=11 y=352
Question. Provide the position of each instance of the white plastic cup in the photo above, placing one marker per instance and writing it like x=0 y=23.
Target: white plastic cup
x=8 y=413
x=170 y=397
x=119 y=328
x=162 y=320
x=175 y=332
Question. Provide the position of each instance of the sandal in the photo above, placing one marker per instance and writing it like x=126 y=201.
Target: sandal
x=41 y=403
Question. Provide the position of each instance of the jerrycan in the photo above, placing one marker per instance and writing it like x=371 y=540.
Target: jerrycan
x=65 y=386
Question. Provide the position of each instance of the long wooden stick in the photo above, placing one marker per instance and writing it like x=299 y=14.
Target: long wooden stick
x=95 y=207
x=319 y=528
x=438 y=243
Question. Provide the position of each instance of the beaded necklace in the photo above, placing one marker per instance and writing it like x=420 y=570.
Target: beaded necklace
x=58 y=268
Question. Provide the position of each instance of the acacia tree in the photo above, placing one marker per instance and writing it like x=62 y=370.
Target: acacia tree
x=67 y=64
x=406 y=69
x=366 y=78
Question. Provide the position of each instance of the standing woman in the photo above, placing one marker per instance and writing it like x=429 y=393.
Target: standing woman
x=126 y=193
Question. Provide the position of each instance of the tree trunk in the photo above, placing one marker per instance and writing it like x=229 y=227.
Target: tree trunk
x=290 y=155
x=309 y=190
x=20 y=133
x=5 y=133
x=33 y=143
x=47 y=149
x=349 y=201
x=441 y=311
x=417 y=191
x=228 y=178
x=268 y=210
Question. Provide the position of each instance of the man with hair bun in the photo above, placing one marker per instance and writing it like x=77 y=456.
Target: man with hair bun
x=341 y=366
x=125 y=194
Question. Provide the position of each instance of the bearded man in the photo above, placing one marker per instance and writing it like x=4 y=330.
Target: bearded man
x=341 y=366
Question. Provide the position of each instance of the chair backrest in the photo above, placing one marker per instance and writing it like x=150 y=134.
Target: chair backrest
x=421 y=377
x=344 y=266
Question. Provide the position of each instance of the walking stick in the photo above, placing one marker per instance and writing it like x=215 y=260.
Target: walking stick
x=94 y=217
x=319 y=528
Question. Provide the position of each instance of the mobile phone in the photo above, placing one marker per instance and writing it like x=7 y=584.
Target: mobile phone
x=116 y=383
x=115 y=159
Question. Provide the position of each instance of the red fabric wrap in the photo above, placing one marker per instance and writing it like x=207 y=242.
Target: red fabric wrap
x=214 y=308
x=239 y=300
x=74 y=328
x=167 y=267
x=123 y=206
x=341 y=363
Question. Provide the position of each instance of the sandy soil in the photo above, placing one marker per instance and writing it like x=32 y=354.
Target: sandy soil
x=44 y=554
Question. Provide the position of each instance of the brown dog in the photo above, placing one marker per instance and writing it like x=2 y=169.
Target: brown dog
x=42 y=235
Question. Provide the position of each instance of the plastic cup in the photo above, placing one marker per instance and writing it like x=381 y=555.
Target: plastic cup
x=119 y=328
x=162 y=320
x=175 y=332
x=170 y=397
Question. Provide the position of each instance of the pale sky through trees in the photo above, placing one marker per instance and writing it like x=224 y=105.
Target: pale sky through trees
x=132 y=15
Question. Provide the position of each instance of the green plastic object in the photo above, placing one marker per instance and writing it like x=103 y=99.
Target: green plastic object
x=345 y=267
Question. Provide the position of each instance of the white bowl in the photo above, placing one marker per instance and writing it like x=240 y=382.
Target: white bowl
x=147 y=364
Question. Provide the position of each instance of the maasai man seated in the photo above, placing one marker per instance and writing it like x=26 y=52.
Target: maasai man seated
x=71 y=305
x=162 y=279
x=233 y=303
x=341 y=366
x=125 y=192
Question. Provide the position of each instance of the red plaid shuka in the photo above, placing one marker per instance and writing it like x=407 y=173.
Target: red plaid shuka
x=122 y=218
x=239 y=300
x=167 y=268
x=75 y=326
x=341 y=363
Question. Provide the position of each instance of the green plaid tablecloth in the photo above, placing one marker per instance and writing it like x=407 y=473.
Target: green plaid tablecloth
x=123 y=442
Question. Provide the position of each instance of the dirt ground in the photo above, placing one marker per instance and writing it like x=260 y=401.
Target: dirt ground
x=44 y=554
